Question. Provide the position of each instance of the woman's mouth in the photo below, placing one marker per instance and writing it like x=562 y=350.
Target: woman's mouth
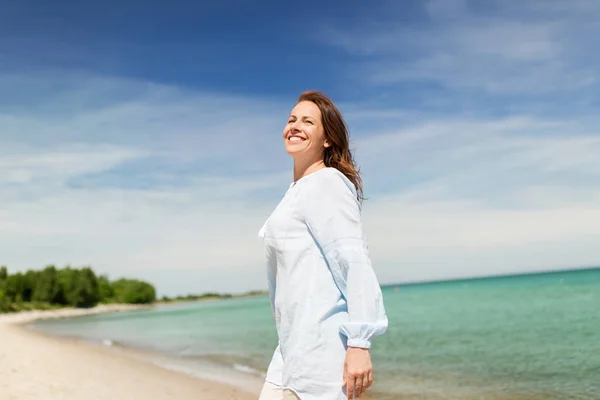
x=295 y=139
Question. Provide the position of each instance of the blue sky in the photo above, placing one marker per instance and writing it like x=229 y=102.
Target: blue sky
x=146 y=140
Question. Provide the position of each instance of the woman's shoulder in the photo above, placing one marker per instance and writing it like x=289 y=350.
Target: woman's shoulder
x=329 y=180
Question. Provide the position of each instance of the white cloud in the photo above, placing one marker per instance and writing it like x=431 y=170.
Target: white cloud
x=25 y=166
x=487 y=160
x=483 y=196
x=497 y=47
x=71 y=162
x=130 y=232
x=84 y=109
x=413 y=240
x=470 y=225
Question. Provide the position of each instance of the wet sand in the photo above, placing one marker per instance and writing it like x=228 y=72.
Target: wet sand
x=36 y=366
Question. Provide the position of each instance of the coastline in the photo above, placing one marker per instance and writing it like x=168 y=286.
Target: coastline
x=25 y=317
x=48 y=367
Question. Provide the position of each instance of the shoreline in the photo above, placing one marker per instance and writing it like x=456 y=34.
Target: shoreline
x=26 y=317
x=46 y=366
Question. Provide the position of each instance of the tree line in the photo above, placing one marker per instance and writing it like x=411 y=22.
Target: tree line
x=212 y=295
x=52 y=287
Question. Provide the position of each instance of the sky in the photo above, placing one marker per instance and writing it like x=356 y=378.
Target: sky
x=145 y=141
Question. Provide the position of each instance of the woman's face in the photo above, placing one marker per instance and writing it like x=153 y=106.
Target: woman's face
x=304 y=135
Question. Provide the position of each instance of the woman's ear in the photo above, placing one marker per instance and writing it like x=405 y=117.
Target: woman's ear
x=326 y=144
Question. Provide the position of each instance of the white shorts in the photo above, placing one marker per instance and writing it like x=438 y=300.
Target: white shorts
x=274 y=392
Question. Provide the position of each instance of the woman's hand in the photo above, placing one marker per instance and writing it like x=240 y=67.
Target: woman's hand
x=358 y=371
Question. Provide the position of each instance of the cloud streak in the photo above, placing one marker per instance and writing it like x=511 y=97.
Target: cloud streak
x=134 y=177
x=534 y=48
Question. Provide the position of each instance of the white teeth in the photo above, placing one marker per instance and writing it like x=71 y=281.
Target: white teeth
x=295 y=139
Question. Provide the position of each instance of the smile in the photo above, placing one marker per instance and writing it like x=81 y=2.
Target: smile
x=294 y=138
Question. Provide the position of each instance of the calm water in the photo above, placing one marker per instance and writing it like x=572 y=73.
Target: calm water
x=521 y=337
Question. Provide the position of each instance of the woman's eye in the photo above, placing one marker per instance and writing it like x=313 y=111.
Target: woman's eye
x=309 y=122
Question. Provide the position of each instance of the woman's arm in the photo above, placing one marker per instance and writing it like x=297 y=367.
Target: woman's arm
x=332 y=213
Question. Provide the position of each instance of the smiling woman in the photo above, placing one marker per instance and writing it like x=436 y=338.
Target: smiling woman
x=325 y=297
x=317 y=126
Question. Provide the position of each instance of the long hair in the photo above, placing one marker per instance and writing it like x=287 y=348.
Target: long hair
x=338 y=155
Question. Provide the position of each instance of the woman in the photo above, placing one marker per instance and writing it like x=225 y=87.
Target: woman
x=325 y=297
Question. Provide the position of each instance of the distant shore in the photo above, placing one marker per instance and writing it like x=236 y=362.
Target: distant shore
x=209 y=296
x=44 y=367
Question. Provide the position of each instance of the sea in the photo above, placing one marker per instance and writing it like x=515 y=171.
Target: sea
x=516 y=337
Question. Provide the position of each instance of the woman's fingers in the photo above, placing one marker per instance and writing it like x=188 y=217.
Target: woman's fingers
x=363 y=386
x=357 y=384
x=350 y=388
x=358 y=391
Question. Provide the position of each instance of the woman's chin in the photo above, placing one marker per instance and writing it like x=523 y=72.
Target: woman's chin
x=292 y=150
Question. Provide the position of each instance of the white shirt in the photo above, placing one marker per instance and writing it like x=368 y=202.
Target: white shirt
x=324 y=294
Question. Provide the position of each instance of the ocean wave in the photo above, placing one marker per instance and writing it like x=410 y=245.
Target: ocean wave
x=246 y=369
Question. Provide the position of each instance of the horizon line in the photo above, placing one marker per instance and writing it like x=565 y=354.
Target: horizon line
x=492 y=276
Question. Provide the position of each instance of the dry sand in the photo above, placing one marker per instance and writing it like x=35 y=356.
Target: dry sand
x=35 y=366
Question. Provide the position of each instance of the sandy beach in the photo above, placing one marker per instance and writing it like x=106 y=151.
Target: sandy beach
x=36 y=366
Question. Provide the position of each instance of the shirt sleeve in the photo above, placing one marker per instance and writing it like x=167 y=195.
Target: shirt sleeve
x=332 y=214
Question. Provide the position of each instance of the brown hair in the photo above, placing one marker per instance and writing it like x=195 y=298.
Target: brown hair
x=338 y=155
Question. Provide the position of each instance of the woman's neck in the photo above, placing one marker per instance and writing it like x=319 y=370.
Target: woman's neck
x=301 y=169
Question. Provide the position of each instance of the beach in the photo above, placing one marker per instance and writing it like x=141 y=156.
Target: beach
x=37 y=366
x=505 y=338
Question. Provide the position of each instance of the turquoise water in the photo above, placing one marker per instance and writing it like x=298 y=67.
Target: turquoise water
x=519 y=337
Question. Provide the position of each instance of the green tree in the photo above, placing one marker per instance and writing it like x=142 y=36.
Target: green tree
x=13 y=287
x=4 y=302
x=80 y=287
x=47 y=287
x=30 y=279
x=107 y=293
x=68 y=287
x=131 y=291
